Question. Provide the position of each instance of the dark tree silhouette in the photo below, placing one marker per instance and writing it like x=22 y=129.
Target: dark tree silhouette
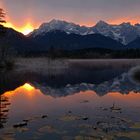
x=4 y=109
x=2 y=20
x=2 y=16
x=2 y=34
x=5 y=49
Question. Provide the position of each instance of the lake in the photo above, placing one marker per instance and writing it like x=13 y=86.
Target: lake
x=86 y=100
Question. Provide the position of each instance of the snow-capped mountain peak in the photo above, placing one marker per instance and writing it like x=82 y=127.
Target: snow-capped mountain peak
x=127 y=24
x=60 y=25
x=101 y=23
x=124 y=33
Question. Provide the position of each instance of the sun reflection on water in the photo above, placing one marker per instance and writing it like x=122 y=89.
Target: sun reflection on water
x=28 y=87
x=26 y=90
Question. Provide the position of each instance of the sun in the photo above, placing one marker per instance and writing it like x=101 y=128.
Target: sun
x=27 y=29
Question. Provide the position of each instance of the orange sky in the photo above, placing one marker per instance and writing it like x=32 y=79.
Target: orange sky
x=29 y=26
x=24 y=16
x=25 y=29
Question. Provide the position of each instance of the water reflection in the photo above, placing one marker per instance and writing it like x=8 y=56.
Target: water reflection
x=27 y=101
x=4 y=109
x=121 y=83
x=76 y=74
x=46 y=115
x=79 y=103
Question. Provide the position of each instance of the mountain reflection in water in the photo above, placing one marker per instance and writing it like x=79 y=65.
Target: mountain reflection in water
x=29 y=103
x=77 y=73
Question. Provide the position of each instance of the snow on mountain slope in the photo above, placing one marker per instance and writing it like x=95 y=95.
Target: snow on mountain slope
x=60 y=25
x=124 y=33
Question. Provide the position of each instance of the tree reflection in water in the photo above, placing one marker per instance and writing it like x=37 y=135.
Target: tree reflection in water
x=4 y=109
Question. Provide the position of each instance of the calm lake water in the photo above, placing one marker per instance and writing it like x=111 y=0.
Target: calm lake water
x=89 y=100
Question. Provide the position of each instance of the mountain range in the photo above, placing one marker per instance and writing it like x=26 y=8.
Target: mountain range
x=124 y=33
x=70 y=36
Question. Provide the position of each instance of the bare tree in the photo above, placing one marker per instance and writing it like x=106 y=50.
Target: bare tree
x=2 y=16
x=2 y=20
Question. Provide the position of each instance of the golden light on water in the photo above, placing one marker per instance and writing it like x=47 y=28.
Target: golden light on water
x=28 y=87
x=25 y=90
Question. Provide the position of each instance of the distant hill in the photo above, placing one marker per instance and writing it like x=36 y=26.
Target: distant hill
x=10 y=37
x=60 y=39
x=134 y=44
x=16 y=40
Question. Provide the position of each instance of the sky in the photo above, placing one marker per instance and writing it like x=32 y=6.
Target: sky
x=25 y=15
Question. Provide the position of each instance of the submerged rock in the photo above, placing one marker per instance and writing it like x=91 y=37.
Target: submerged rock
x=44 y=116
x=22 y=124
x=85 y=118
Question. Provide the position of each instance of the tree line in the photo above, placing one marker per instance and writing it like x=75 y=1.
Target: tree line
x=6 y=60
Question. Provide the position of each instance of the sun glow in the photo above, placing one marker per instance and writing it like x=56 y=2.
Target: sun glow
x=25 y=90
x=28 y=87
x=30 y=26
x=26 y=29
